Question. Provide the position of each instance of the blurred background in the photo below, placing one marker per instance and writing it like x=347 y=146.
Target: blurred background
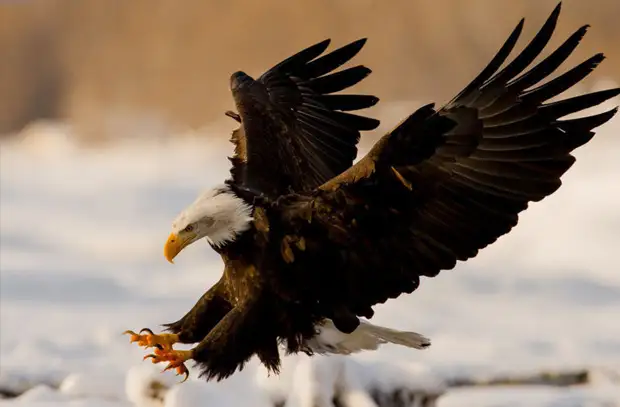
x=112 y=121
x=96 y=62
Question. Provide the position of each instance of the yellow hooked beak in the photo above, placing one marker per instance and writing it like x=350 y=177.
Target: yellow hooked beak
x=176 y=243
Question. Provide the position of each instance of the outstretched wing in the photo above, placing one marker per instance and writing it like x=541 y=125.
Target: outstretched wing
x=295 y=134
x=445 y=184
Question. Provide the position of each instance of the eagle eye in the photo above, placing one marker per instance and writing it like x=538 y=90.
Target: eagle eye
x=188 y=228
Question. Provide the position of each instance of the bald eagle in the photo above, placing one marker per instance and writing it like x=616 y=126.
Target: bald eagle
x=311 y=242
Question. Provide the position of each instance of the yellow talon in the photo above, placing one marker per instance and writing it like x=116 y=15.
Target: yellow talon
x=149 y=340
x=134 y=337
x=177 y=359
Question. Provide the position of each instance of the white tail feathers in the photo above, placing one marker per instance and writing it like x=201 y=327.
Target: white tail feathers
x=366 y=337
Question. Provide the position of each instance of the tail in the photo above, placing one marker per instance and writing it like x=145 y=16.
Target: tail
x=367 y=336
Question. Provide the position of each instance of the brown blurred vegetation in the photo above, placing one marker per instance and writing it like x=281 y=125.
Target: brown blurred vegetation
x=85 y=60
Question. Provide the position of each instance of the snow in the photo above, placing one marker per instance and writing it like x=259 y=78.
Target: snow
x=82 y=231
x=528 y=396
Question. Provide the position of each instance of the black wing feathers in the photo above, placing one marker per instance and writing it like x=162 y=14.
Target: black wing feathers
x=331 y=61
x=346 y=103
x=527 y=56
x=316 y=139
x=535 y=75
x=586 y=124
x=452 y=181
x=473 y=88
x=301 y=58
x=340 y=80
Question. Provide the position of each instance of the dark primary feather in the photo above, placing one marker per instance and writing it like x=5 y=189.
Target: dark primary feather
x=444 y=184
x=300 y=133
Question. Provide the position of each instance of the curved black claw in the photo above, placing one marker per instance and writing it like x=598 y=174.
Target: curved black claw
x=180 y=369
x=147 y=330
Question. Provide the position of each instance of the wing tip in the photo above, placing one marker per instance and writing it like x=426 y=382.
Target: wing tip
x=372 y=124
x=556 y=11
x=366 y=69
x=608 y=115
x=360 y=42
x=356 y=45
x=515 y=34
x=552 y=20
x=324 y=43
x=597 y=59
x=321 y=45
x=582 y=31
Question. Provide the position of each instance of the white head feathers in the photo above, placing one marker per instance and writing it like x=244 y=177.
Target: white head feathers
x=217 y=214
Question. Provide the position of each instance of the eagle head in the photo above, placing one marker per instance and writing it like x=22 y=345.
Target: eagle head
x=218 y=215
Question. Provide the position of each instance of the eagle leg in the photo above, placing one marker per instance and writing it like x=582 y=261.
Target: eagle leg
x=176 y=359
x=149 y=339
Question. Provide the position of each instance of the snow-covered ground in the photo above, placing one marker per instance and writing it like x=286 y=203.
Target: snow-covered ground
x=82 y=231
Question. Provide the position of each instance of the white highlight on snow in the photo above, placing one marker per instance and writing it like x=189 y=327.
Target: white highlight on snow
x=97 y=384
x=146 y=386
x=41 y=393
x=317 y=380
